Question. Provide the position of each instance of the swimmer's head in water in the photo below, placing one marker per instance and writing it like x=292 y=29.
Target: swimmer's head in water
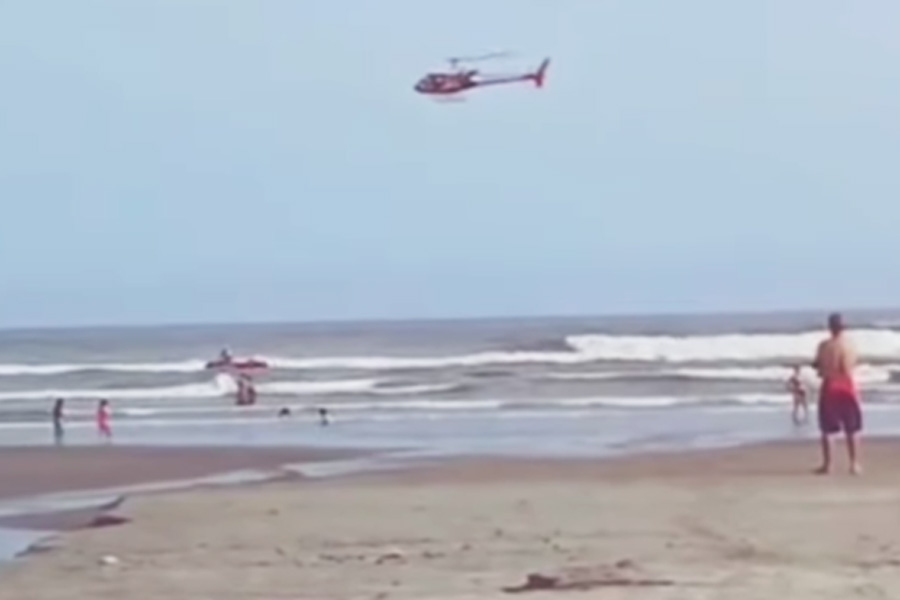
x=835 y=323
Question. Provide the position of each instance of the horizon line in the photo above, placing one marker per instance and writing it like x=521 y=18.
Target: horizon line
x=745 y=312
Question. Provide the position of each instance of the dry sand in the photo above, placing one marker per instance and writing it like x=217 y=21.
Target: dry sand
x=739 y=524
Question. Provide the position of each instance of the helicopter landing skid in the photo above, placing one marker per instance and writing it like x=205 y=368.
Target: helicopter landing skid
x=449 y=99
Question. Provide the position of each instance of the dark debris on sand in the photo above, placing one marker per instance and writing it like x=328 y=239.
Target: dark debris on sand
x=622 y=574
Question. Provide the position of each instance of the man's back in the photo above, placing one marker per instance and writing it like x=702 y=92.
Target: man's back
x=836 y=358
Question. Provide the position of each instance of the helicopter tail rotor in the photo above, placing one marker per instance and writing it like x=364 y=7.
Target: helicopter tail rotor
x=539 y=74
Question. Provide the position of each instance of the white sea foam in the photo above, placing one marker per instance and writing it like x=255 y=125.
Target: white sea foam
x=220 y=386
x=873 y=344
x=368 y=386
x=383 y=363
x=344 y=406
x=187 y=366
x=636 y=402
x=317 y=387
x=223 y=385
x=865 y=374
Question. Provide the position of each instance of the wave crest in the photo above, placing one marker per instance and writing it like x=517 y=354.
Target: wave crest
x=223 y=385
x=873 y=344
x=865 y=374
x=877 y=344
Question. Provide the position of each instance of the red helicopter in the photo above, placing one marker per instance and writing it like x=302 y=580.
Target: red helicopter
x=461 y=80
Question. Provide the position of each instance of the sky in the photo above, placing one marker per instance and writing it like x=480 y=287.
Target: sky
x=236 y=160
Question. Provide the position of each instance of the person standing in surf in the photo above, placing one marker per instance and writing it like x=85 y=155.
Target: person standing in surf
x=839 y=402
x=798 y=393
x=57 y=415
x=103 y=418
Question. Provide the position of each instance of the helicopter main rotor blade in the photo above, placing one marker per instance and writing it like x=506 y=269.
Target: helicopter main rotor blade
x=459 y=59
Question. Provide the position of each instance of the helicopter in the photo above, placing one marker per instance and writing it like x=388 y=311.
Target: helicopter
x=459 y=80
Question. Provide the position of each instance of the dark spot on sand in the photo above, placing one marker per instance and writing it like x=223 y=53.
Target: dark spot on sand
x=589 y=578
x=107 y=521
x=390 y=556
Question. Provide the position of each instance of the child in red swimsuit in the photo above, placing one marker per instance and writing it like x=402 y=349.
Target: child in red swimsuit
x=103 y=416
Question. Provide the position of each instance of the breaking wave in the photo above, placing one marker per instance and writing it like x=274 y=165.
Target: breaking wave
x=186 y=366
x=866 y=374
x=874 y=344
x=223 y=385
x=877 y=345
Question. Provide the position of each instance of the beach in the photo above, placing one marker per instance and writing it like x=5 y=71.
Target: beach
x=650 y=457
x=737 y=523
x=46 y=470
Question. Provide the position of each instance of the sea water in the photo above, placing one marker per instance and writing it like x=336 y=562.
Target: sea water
x=573 y=386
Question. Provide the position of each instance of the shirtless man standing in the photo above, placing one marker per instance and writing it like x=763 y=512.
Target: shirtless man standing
x=839 y=404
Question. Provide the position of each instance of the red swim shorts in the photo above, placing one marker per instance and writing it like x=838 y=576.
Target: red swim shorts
x=839 y=409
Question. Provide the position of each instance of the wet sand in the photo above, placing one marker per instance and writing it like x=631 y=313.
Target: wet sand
x=735 y=524
x=31 y=471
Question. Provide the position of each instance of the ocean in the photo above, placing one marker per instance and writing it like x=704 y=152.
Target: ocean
x=570 y=386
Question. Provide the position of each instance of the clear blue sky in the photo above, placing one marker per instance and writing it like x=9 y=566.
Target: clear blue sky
x=183 y=160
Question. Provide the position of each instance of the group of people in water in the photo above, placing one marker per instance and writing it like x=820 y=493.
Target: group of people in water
x=102 y=418
x=245 y=396
x=246 y=389
x=839 y=405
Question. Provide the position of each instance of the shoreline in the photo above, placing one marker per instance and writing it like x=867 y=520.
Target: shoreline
x=37 y=476
x=778 y=459
x=738 y=520
x=47 y=491
x=37 y=471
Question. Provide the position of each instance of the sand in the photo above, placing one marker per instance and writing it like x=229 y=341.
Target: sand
x=28 y=471
x=739 y=524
